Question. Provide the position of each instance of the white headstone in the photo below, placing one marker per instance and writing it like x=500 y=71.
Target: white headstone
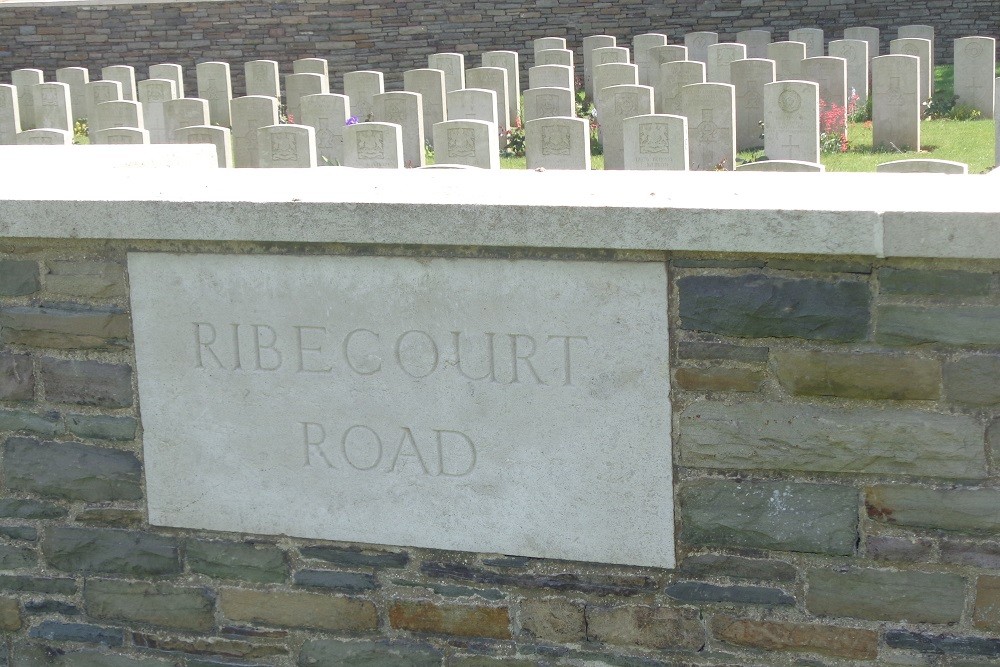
x=711 y=118
x=52 y=106
x=473 y=104
x=749 y=78
x=656 y=142
x=373 y=146
x=554 y=57
x=184 y=112
x=404 y=109
x=117 y=113
x=360 y=87
x=922 y=167
x=791 y=121
x=867 y=34
x=615 y=74
x=287 y=146
x=76 y=78
x=453 y=66
x=756 y=41
x=720 y=57
x=674 y=75
x=787 y=57
x=470 y=142
x=10 y=118
x=614 y=105
x=216 y=86
x=546 y=43
x=44 y=138
x=607 y=55
x=641 y=44
x=831 y=75
x=123 y=74
x=311 y=66
x=98 y=92
x=220 y=137
x=811 y=37
x=429 y=83
x=550 y=76
x=918 y=31
x=896 y=102
x=922 y=50
x=509 y=62
x=262 y=78
x=855 y=53
x=502 y=464
x=548 y=103
x=117 y=136
x=782 y=166
x=23 y=80
x=557 y=143
x=495 y=79
x=665 y=54
x=327 y=114
x=153 y=95
x=996 y=121
x=590 y=43
x=297 y=85
x=697 y=44
x=169 y=71
x=975 y=72
x=250 y=113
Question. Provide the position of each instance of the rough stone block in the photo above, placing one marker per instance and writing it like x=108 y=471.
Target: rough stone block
x=78 y=632
x=102 y=550
x=17 y=377
x=49 y=423
x=950 y=325
x=834 y=641
x=973 y=380
x=146 y=602
x=71 y=470
x=648 y=627
x=10 y=614
x=961 y=510
x=33 y=655
x=350 y=582
x=102 y=427
x=815 y=518
x=719 y=378
x=865 y=376
x=90 y=280
x=461 y=620
x=18 y=277
x=26 y=533
x=620 y=585
x=111 y=517
x=987 y=613
x=898 y=549
x=334 y=653
x=878 y=595
x=233 y=560
x=757 y=306
x=355 y=557
x=87 y=382
x=943 y=644
x=303 y=610
x=737 y=567
x=699 y=591
x=783 y=436
x=977 y=554
x=13 y=558
x=14 y=508
x=553 y=620
x=927 y=283
x=66 y=327
x=721 y=351
x=29 y=584
x=51 y=607
x=225 y=648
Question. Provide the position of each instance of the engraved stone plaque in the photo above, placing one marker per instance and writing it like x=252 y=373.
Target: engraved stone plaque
x=495 y=406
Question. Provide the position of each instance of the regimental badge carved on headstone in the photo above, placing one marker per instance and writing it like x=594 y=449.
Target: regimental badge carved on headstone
x=371 y=145
x=461 y=143
x=653 y=138
x=283 y=148
x=555 y=141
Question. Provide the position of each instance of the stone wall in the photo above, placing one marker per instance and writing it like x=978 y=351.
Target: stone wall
x=395 y=36
x=835 y=422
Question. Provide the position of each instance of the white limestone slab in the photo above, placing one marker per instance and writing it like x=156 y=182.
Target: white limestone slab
x=337 y=398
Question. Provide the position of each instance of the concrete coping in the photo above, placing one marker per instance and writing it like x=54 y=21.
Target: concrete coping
x=862 y=215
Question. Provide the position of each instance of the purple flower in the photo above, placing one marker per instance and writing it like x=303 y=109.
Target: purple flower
x=353 y=120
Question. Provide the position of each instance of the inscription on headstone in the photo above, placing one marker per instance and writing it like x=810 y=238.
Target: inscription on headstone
x=408 y=401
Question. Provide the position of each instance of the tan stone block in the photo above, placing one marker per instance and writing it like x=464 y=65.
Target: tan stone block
x=10 y=614
x=95 y=280
x=874 y=376
x=465 y=621
x=650 y=627
x=828 y=640
x=987 y=613
x=294 y=609
x=553 y=619
x=719 y=378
